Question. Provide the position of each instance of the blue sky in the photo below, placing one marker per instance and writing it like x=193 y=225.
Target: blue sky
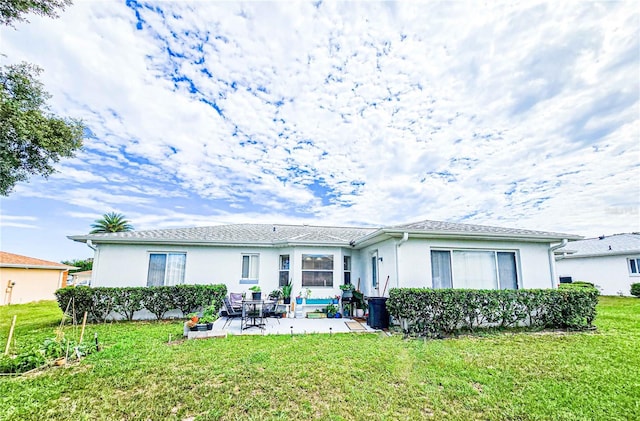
x=347 y=113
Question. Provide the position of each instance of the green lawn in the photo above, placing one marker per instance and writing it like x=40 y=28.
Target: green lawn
x=524 y=376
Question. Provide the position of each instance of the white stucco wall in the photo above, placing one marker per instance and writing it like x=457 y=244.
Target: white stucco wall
x=127 y=265
x=414 y=262
x=609 y=273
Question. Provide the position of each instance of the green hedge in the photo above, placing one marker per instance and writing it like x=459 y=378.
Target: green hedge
x=435 y=312
x=635 y=290
x=101 y=301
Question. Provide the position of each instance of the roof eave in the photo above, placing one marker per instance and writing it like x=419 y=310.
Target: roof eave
x=393 y=233
x=27 y=266
x=181 y=242
x=603 y=254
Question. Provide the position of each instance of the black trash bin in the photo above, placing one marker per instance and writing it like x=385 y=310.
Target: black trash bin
x=378 y=314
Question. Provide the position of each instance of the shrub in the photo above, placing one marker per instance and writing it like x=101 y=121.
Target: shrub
x=434 y=312
x=101 y=301
x=635 y=289
x=127 y=301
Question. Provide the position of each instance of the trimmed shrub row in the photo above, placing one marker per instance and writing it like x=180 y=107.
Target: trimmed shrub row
x=101 y=301
x=435 y=312
x=635 y=289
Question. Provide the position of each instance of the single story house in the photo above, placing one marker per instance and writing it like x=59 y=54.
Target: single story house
x=82 y=278
x=611 y=263
x=423 y=254
x=26 y=279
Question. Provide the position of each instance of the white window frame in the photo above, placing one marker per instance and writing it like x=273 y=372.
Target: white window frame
x=284 y=268
x=331 y=272
x=495 y=257
x=167 y=273
x=346 y=267
x=253 y=268
x=630 y=265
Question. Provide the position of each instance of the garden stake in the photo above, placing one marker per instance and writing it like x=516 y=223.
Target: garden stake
x=13 y=326
x=95 y=335
x=292 y=331
x=385 y=286
x=330 y=331
x=84 y=323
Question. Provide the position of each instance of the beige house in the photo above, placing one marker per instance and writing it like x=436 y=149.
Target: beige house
x=26 y=279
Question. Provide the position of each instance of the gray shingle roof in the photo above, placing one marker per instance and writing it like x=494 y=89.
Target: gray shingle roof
x=266 y=234
x=241 y=233
x=619 y=243
x=453 y=227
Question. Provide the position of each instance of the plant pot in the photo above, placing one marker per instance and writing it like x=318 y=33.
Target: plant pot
x=299 y=300
x=347 y=294
x=359 y=312
x=335 y=301
x=202 y=327
x=338 y=316
x=256 y=295
x=287 y=300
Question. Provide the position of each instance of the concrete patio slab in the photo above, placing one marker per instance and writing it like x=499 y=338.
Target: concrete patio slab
x=287 y=326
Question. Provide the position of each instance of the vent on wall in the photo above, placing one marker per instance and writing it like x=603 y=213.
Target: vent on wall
x=566 y=280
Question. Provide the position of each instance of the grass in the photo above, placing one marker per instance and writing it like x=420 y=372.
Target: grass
x=524 y=376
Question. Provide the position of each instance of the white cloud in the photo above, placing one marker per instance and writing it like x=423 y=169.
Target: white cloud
x=520 y=115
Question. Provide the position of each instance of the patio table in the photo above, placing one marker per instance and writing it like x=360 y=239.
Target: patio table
x=253 y=313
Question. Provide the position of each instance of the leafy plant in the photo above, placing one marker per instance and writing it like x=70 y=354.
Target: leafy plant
x=276 y=294
x=347 y=287
x=111 y=222
x=635 y=289
x=255 y=288
x=286 y=290
x=432 y=313
x=331 y=310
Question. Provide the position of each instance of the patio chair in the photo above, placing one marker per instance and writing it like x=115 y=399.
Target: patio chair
x=235 y=300
x=231 y=312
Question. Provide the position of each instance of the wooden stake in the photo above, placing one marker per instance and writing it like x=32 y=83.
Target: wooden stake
x=13 y=326
x=385 y=286
x=84 y=323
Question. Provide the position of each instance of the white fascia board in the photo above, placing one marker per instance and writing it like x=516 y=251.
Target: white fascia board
x=272 y=244
x=605 y=254
x=371 y=238
x=23 y=266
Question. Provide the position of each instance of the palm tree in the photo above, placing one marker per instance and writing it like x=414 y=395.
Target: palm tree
x=111 y=222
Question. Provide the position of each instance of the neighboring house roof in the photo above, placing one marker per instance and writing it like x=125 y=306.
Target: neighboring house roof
x=10 y=260
x=84 y=272
x=282 y=235
x=613 y=245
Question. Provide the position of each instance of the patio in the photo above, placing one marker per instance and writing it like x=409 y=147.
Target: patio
x=287 y=326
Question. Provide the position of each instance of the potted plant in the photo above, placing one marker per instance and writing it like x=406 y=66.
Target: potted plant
x=299 y=298
x=286 y=293
x=256 y=292
x=192 y=320
x=209 y=315
x=358 y=299
x=275 y=295
x=347 y=291
x=331 y=311
x=335 y=300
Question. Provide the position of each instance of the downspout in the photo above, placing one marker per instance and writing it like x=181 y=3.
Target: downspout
x=94 y=265
x=552 y=262
x=403 y=240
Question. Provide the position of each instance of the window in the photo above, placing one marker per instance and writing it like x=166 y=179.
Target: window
x=347 y=269
x=634 y=266
x=317 y=270
x=284 y=270
x=250 y=267
x=474 y=269
x=374 y=270
x=166 y=269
